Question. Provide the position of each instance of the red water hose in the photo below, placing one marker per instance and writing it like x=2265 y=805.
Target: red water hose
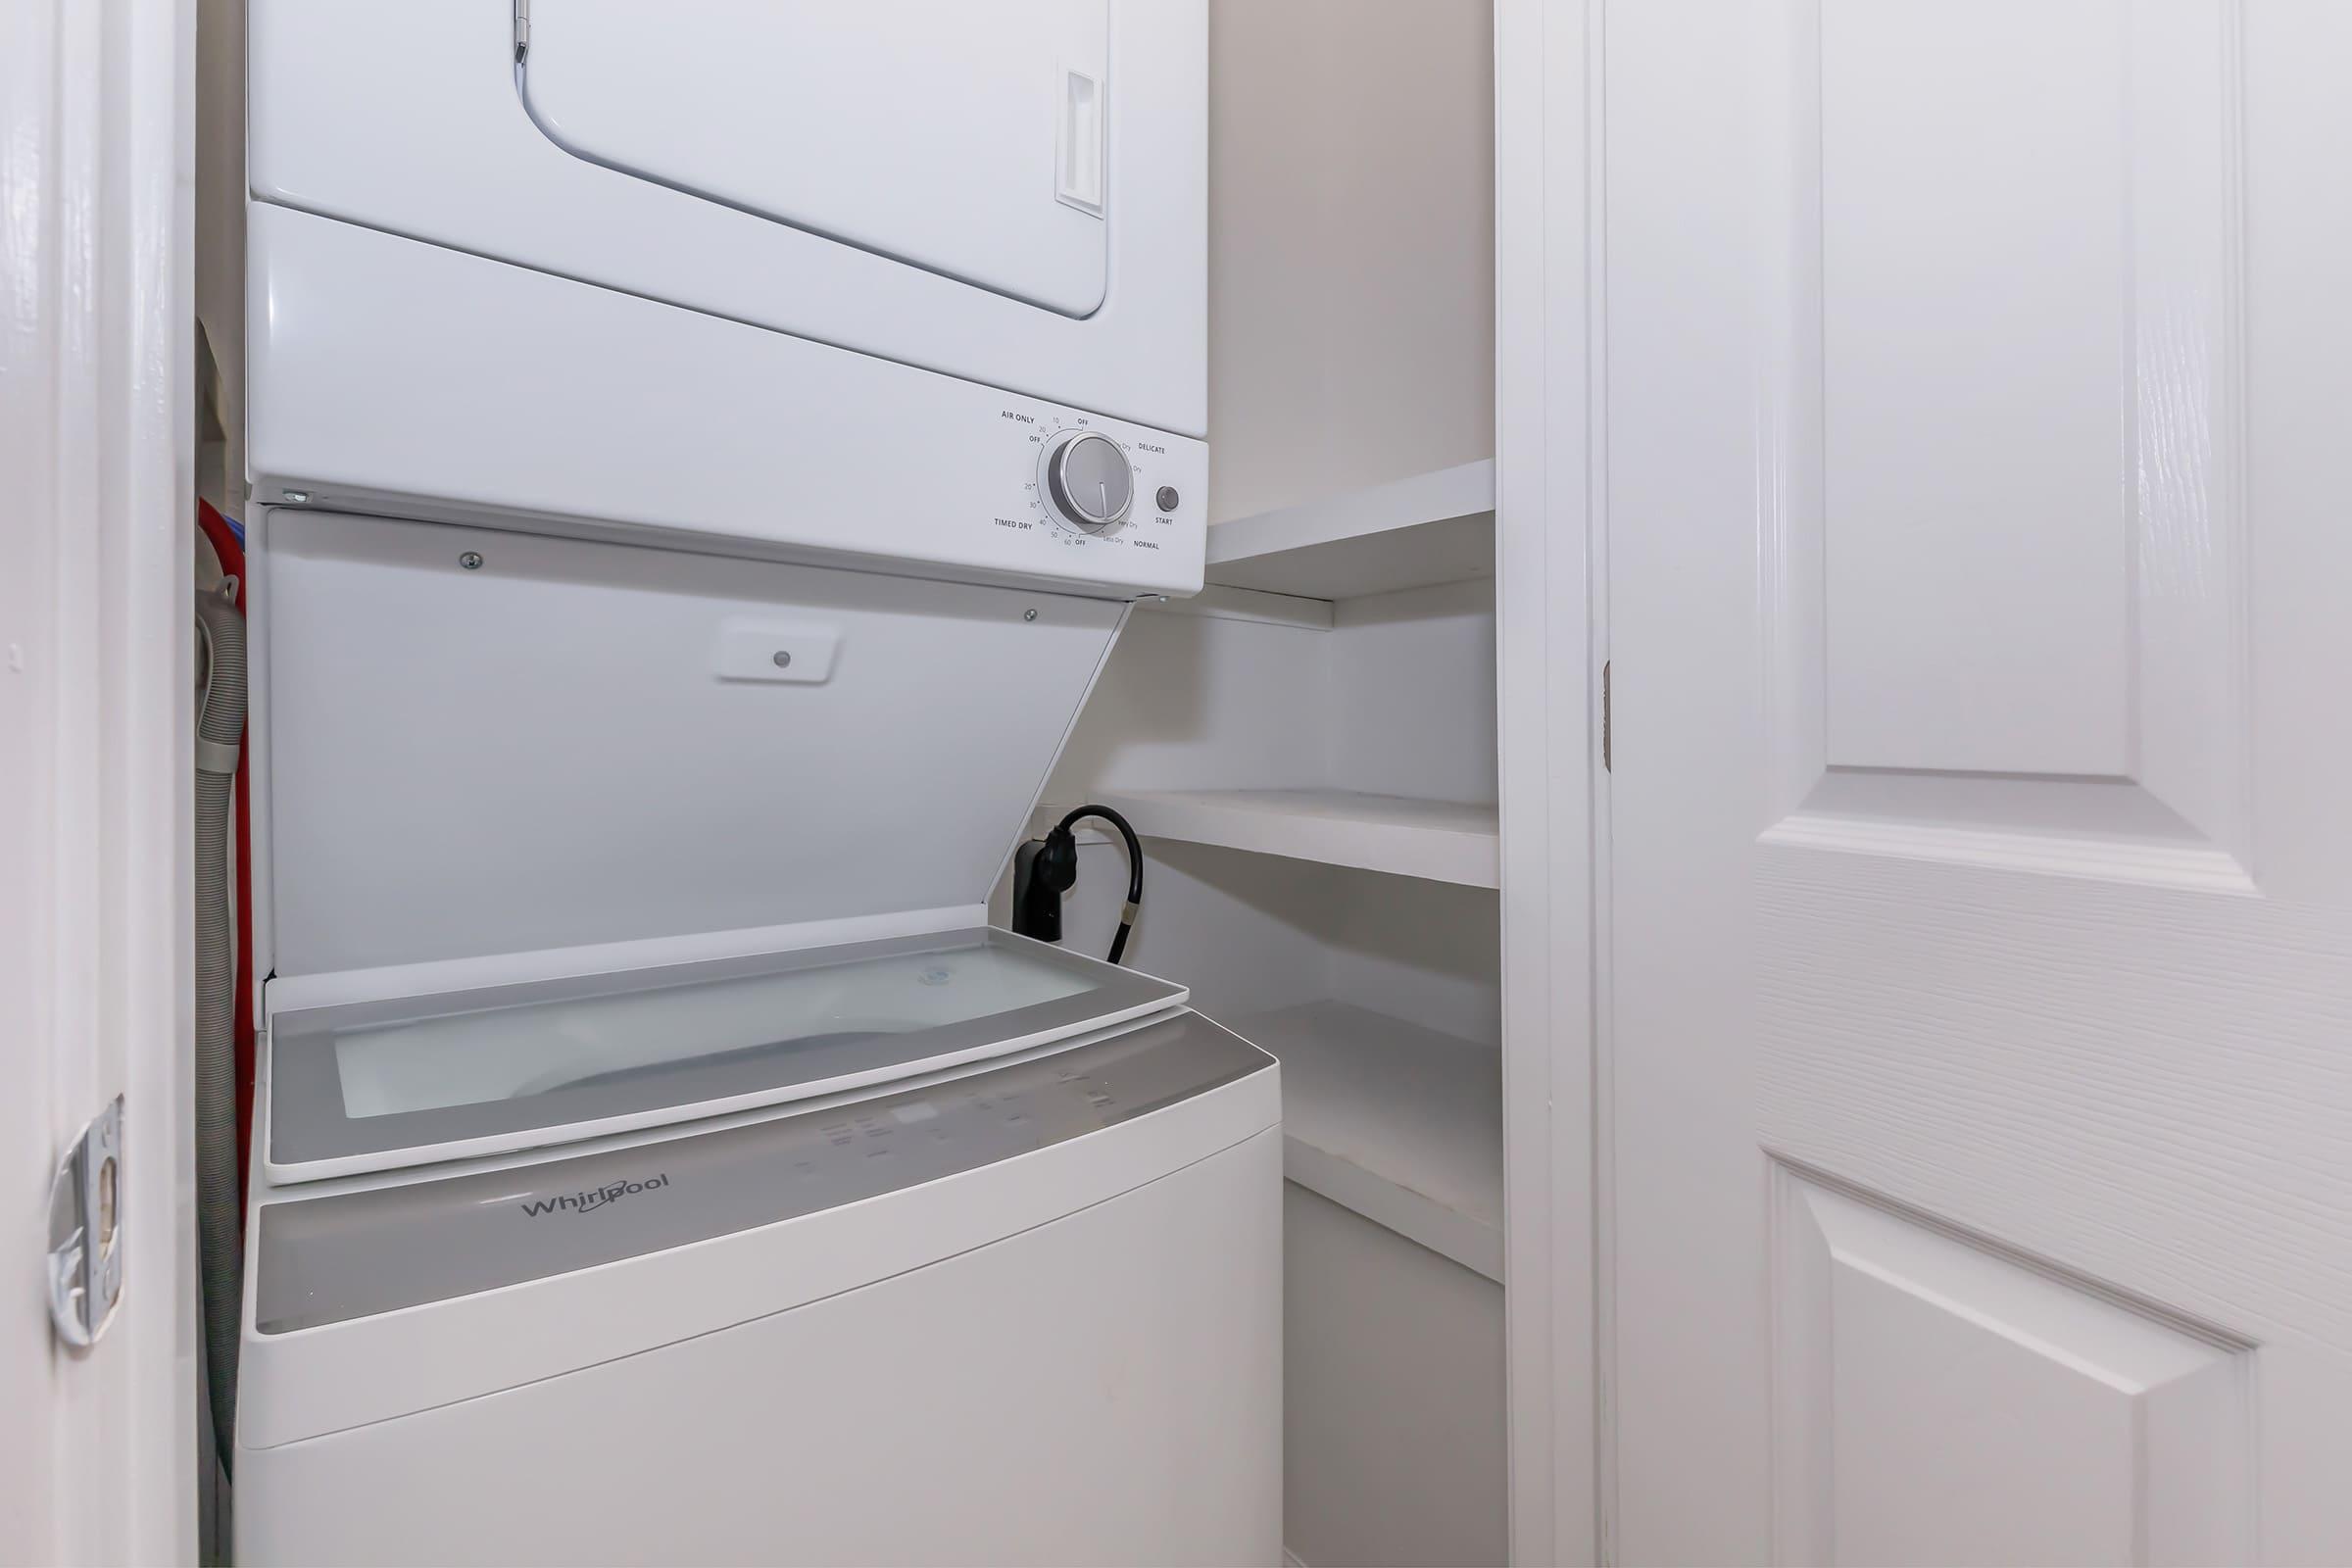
x=229 y=546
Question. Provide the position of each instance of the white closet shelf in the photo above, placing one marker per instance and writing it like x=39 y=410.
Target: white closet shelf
x=1439 y=839
x=1402 y=1124
x=1431 y=528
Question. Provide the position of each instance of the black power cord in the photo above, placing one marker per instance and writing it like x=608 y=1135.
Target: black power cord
x=1046 y=868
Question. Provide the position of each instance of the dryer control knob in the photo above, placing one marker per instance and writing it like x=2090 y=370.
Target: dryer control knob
x=1090 y=482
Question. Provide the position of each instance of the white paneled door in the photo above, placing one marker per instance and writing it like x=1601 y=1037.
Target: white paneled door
x=1979 y=1026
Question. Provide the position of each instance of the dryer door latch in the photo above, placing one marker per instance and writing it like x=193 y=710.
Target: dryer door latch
x=1079 y=176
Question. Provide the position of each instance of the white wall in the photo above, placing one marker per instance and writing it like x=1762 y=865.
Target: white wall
x=1393 y=1366
x=1350 y=245
x=1411 y=694
x=1397 y=698
x=1192 y=703
x=1251 y=933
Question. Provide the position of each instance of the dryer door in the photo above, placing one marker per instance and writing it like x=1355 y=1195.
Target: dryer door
x=952 y=185
x=967 y=140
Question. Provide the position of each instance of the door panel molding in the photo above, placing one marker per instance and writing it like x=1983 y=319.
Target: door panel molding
x=2038 y=660
x=1895 y=1334
x=1989 y=1047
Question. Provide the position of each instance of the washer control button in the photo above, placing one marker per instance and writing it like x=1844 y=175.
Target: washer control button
x=1167 y=498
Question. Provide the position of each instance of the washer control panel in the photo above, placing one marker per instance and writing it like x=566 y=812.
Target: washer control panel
x=359 y=1252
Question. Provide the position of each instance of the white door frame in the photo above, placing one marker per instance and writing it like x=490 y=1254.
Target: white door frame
x=1549 y=637
x=98 y=1450
x=96 y=104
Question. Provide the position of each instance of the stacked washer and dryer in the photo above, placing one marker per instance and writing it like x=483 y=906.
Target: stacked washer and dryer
x=703 y=456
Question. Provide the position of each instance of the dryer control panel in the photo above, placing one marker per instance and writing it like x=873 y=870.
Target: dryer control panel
x=1096 y=484
x=490 y=397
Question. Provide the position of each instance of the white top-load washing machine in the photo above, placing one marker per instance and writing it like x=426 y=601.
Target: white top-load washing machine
x=1019 y=1314
x=705 y=452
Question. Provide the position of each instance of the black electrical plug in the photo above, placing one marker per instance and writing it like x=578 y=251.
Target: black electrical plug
x=1043 y=870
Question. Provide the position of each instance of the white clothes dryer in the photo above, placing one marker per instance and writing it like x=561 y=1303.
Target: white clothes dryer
x=918 y=280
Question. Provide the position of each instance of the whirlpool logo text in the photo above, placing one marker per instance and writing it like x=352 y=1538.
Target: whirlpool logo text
x=580 y=1203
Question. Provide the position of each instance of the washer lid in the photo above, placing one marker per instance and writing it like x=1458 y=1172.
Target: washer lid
x=965 y=140
x=378 y=1085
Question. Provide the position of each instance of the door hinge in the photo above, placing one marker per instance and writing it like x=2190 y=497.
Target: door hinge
x=1605 y=760
x=85 y=1231
x=522 y=29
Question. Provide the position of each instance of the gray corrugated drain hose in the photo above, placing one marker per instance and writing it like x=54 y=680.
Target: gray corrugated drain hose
x=219 y=727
